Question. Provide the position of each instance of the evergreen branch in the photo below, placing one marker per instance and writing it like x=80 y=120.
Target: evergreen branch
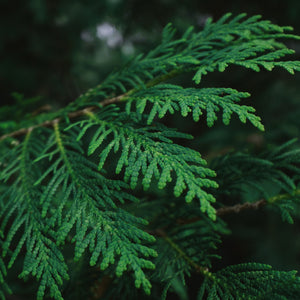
x=149 y=152
x=252 y=44
x=248 y=42
x=42 y=259
x=70 y=115
x=55 y=185
x=199 y=269
x=183 y=250
x=109 y=232
x=207 y=99
x=239 y=173
x=83 y=112
x=250 y=281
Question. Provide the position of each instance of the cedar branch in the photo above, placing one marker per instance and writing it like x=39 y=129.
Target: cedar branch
x=103 y=103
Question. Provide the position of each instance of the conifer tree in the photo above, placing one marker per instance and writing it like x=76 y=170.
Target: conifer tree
x=102 y=199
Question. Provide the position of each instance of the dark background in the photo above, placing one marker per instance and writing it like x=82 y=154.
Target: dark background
x=52 y=51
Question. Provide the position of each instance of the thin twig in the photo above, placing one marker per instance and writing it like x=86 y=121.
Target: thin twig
x=226 y=210
x=103 y=103
x=160 y=232
x=240 y=207
x=237 y=208
x=255 y=205
x=70 y=115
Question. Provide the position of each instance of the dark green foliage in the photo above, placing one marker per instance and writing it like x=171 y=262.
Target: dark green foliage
x=241 y=173
x=245 y=281
x=4 y=288
x=109 y=182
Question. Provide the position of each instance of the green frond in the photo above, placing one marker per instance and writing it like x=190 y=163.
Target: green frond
x=150 y=152
x=169 y=98
x=114 y=238
x=109 y=234
x=251 y=281
x=43 y=259
x=248 y=42
x=73 y=174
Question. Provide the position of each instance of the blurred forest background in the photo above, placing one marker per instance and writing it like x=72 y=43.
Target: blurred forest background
x=53 y=51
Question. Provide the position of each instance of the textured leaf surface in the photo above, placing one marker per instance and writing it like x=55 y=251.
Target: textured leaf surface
x=149 y=152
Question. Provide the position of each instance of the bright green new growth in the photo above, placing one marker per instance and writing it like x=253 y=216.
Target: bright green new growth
x=79 y=180
x=251 y=43
x=150 y=152
x=170 y=98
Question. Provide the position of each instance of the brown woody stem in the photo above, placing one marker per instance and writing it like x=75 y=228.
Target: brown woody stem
x=70 y=115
